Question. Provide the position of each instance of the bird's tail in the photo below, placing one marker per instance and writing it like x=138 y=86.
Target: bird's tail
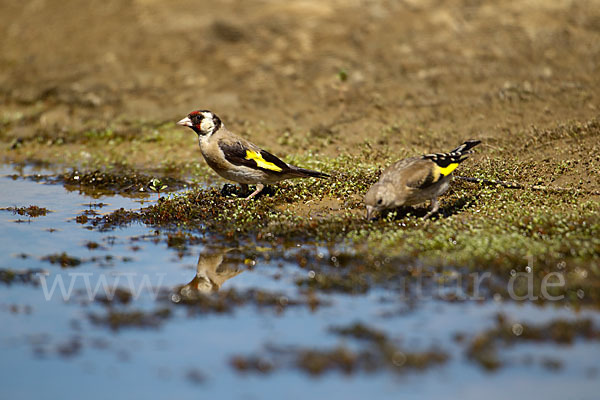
x=466 y=147
x=455 y=156
x=305 y=173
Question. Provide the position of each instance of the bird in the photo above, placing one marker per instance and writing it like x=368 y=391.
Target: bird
x=237 y=159
x=214 y=268
x=414 y=180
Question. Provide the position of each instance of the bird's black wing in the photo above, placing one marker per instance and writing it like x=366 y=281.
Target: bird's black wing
x=455 y=156
x=447 y=162
x=238 y=154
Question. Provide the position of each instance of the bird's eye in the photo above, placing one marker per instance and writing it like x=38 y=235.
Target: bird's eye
x=379 y=201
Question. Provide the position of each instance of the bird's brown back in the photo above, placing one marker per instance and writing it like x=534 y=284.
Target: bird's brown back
x=414 y=172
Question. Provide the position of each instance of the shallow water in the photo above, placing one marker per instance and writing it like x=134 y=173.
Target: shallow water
x=50 y=345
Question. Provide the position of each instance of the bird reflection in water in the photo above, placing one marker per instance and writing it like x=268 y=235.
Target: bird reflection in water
x=215 y=267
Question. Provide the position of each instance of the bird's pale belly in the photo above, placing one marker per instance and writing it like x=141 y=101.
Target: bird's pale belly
x=242 y=175
x=434 y=190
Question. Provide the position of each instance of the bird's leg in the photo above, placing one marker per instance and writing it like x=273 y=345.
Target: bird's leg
x=245 y=189
x=259 y=188
x=435 y=206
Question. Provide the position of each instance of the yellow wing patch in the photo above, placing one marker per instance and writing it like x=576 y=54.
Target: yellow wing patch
x=261 y=162
x=448 y=170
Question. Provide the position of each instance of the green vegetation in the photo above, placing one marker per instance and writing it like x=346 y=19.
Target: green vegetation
x=379 y=352
x=483 y=348
x=31 y=211
x=481 y=228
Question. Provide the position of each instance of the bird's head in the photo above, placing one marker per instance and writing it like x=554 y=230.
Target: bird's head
x=380 y=197
x=203 y=122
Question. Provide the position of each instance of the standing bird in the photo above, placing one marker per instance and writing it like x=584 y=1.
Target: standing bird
x=414 y=180
x=237 y=159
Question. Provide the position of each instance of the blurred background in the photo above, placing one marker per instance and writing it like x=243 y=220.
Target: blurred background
x=340 y=71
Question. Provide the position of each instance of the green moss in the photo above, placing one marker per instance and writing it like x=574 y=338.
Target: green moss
x=483 y=348
x=31 y=211
x=117 y=320
x=63 y=259
x=377 y=352
x=481 y=228
x=28 y=276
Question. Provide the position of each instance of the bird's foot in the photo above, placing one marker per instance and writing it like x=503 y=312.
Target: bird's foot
x=259 y=188
x=435 y=206
x=430 y=214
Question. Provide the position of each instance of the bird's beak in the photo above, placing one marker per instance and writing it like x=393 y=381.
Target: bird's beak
x=370 y=212
x=185 y=122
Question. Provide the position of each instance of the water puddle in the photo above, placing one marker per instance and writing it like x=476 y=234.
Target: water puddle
x=86 y=310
